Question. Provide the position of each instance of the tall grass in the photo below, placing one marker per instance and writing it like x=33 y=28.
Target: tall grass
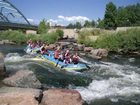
x=126 y=40
x=21 y=38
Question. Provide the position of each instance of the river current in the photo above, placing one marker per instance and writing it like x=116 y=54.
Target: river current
x=113 y=81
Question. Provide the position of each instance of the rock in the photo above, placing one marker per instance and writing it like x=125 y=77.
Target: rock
x=1 y=42
x=7 y=42
x=19 y=96
x=61 y=97
x=52 y=46
x=2 y=65
x=88 y=49
x=99 y=53
x=24 y=79
x=79 y=47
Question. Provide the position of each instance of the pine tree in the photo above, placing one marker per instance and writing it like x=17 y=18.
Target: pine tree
x=110 y=16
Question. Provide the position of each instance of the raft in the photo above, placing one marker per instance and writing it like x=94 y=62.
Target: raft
x=59 y=64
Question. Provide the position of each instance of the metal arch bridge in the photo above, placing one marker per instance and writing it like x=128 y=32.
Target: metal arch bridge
x=11 y=17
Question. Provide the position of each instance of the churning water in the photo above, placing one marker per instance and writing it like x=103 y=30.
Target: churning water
x=115 y=81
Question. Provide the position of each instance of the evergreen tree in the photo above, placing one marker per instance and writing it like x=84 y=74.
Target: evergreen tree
x=100 y=23
x=78 y=25
x=110 y=16
x=87 y=24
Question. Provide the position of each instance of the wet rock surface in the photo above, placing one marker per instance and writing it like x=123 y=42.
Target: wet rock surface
x=61 y=97
x=22 y=78
x=19 y=96
x=2 y=65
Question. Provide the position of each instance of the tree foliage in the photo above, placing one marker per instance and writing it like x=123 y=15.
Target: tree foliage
x=43 y=27
x=128 y=16
x=89 y=24
x=110 y=16
x=73 y=26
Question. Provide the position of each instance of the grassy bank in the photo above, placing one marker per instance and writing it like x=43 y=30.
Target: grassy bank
x=125 y=40
x=21 y=38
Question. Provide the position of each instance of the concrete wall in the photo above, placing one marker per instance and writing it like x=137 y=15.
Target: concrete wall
x=31 y=32
x=125 y=28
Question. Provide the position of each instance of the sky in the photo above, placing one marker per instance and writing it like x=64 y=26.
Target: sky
x=64 y=12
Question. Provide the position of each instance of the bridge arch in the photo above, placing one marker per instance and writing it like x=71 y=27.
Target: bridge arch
x=10 y=14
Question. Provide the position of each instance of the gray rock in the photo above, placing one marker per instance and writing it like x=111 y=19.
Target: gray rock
x=99 y=53
x=19 y=96
x=61 y=97
x=79 y=47
x=2 y=65
x=24 y=79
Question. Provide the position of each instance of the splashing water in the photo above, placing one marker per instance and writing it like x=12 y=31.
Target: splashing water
x=122 y=82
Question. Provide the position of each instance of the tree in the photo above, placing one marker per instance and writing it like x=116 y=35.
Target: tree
x=100 y=23
x=60 y=33
x=43 y=27
x=71 y=26
x=87 y=24
x=93 y=23
x=78 y=25
x=110 y=16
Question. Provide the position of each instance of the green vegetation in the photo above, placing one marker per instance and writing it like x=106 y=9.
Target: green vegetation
x=89 y=24
x=120 y=17
x=21 y=38
x=126 y=40
x=60 y=33
x=73 y=26
x=14 y=36
x=43 y=27
x=110 y=16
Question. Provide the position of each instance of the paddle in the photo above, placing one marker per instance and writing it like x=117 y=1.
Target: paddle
x=57 y=63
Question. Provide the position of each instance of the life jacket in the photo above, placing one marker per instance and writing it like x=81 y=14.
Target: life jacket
x=75 y=59
x=57 y=54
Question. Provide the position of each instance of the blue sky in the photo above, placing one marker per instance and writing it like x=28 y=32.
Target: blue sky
x=65 y=11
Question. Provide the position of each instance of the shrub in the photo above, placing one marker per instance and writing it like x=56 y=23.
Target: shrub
x=14 y=36
x=128 y=41
x=50 y=37
x=60 y=33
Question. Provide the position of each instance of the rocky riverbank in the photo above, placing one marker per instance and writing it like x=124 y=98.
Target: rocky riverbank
x=23 y=88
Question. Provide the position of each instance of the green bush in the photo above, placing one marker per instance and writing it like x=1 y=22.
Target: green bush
x=14 y=36
x=60 y=33
x=49 y=37
x=21 y=38
x=128 y=41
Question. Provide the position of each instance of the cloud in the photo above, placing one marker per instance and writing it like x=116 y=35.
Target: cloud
x=31 y=21
x=52 y=20
x=73 y=18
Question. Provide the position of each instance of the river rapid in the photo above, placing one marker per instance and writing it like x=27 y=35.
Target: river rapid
x=113 y=81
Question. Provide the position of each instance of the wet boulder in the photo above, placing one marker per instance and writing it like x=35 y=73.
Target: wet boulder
x=79 y=47
x=99 y=53
x=88 y=49
x=52 y=46
x=61 y=97
x=2 y=65
x=24 y=79
x=7 y=42
x=19 y=96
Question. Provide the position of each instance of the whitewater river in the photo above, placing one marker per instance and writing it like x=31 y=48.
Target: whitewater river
x=114 y=81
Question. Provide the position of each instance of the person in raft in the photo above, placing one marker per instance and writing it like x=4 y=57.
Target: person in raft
x=57 y=53
x=43 y=50
x=75 y=58
x=67 y=58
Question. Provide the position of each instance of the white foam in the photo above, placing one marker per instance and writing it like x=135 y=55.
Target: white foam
x=13 y=57
x=125 y=85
